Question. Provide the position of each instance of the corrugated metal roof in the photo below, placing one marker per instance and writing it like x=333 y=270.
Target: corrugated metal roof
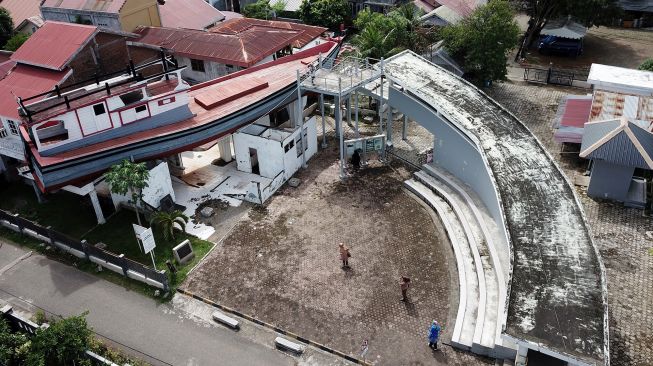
x=23 y=81
x=619 y=142
x=609 y=105
x=190 y=14
x=20 y=10
x=243 y=49
x=564 y=28
x=236 y=26
x=107 y=6
x=54 y=45
x=631 y=80
x=462 y=7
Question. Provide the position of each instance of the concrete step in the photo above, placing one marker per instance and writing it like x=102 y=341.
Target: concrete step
x=498 y=247
x=467 y=313
x=488 y=318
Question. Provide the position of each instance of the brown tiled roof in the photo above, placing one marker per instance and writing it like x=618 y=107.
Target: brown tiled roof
x=244 y=49
x=236 y=26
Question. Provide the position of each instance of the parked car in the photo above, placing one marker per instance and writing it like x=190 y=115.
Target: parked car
x=561 y=46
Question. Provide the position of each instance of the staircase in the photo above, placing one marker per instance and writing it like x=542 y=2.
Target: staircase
x=482 y=281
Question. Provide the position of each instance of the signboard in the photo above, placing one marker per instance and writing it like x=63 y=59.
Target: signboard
x=146 y=237
x=367 y=145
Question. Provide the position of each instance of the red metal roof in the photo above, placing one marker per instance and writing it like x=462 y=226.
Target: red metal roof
x=21 y=9
x=189 y=14
x=26 y=80
x=107 y=6
x=576 y=113
x=54 y=45
x=244 y=49
x=239 y=25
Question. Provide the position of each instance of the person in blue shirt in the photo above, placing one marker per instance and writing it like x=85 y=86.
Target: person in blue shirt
x=434 y=334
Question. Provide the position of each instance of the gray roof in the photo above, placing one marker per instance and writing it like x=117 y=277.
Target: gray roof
x=564 y=28
x=619 y=142
x=558 y=291
x=637 y=5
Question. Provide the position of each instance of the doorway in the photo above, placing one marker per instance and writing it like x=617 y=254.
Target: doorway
x=253 y=161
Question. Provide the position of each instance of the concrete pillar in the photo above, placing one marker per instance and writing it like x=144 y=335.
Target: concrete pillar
x=389 y=126
x=324 y=143
x=356 y=113
x=37 y=191
x=224 y=147
x=96 y=207
x=341 y=137
x=348 y=105
x=404 y=127
x=522 y=356
x=381 y=111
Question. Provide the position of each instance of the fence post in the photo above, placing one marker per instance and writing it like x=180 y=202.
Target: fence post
x=85 y=249
x=50 y=236
x=123 y=263
x=166 y=281
x=18 y=223
x=548 y=74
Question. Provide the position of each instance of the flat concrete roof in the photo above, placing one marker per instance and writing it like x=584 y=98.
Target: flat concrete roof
x=558 y=293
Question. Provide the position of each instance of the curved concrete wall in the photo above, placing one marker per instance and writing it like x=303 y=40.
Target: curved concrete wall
x=558 y=292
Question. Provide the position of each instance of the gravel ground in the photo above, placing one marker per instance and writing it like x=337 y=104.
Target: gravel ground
x=281 y=264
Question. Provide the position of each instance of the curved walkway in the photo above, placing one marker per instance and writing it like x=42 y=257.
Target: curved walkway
x=558 y=293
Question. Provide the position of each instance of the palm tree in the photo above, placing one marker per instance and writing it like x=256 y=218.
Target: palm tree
x=373 y=43
x=168 y=222
x=129 y=177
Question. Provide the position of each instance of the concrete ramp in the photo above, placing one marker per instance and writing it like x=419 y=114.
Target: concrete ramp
x=556 y=300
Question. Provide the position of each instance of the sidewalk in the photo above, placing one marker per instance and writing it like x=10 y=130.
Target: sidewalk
x=162 y=334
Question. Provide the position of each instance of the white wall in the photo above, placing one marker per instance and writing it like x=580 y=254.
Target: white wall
x=12 y=145
x=158 y=186
x=269 y=152
x=272 y=157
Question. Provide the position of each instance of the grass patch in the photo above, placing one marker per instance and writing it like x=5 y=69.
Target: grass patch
x=65 y=212
x=119 y=237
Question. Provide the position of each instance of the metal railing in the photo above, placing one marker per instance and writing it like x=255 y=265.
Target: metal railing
x=81 y=249
x=338 y=75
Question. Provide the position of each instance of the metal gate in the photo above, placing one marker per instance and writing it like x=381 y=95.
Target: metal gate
x=549 y=76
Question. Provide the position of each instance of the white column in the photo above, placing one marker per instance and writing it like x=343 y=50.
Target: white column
x=224 y=147
x=522 y=356
x=96 y=207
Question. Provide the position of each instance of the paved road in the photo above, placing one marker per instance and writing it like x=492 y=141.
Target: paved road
x=159 y=330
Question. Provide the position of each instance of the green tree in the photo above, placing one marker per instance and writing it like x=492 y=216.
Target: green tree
x=384 y=35
x=324 y=13
x=483 y=39
x=647 y=65
x=9 y=344
x=259 y=10
x=169 y=221
x=63 y=343
x=129 y=177
x=16 y=41
x=6 y=26
x=588 y=12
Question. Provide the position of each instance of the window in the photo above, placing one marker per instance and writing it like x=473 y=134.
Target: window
x=289 y=146
x=13 y=127
x=99 y=109
x=141 y=108
x=3 y=132
x=166 y=101
x=298 y=142
x=197 y=65
x=132 y=97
